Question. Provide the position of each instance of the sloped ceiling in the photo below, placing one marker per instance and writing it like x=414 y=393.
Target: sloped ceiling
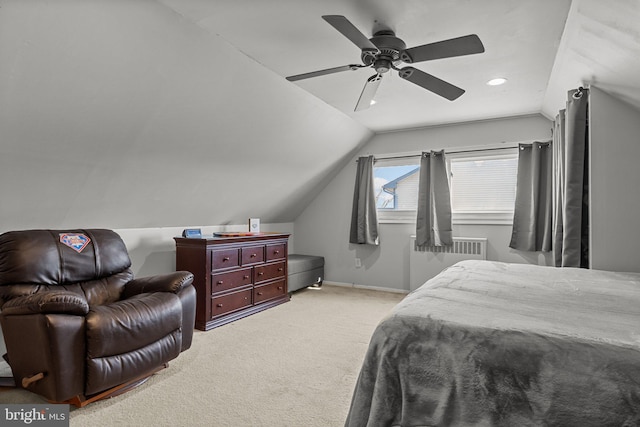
x=289 y=37
x=543 y=47
x=600 y=46
x=123 y=114
x=151 y=113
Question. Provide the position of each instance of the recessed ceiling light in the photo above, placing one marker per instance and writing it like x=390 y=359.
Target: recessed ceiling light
x=497 y=82
x=373 y=101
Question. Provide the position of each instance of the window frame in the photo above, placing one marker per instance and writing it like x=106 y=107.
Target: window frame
x=397 y=216
x=498 y=217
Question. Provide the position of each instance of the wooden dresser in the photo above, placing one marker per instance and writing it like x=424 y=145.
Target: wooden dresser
x=234 y=277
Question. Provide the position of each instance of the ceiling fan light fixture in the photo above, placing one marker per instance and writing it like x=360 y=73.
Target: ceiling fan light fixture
x=497 y=81
x=382 y=65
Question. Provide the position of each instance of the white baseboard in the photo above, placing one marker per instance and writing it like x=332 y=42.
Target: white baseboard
x=370 y=288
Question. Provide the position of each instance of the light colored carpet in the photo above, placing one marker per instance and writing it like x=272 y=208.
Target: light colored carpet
x=293 y=365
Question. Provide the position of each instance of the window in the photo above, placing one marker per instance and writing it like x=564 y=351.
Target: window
x=482 y=183
x=483 y=186
x=395 y=184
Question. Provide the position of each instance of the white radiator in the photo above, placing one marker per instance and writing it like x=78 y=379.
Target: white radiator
x=425 y=263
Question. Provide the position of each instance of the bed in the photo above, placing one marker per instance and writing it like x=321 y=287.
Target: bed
x=494 y=344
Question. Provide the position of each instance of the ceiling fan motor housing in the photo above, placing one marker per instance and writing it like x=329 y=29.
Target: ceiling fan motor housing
x=389 y=49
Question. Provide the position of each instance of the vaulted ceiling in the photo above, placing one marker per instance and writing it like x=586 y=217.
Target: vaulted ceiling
x=152 y=113
x=543 y=47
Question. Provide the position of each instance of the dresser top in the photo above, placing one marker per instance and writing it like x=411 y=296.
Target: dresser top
x=213 y=240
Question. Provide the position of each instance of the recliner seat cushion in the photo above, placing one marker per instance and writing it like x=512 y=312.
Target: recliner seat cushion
x=133 y=323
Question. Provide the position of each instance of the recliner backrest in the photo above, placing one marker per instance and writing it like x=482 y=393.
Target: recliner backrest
x=94 y=262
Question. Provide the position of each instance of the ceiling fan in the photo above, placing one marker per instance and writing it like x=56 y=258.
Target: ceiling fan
x=384 y=51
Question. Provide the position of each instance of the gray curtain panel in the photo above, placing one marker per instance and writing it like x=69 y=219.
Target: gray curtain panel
x=532 y=215
x=433 y=222
x=572 y=210
x=558 y=185
x=364 y=216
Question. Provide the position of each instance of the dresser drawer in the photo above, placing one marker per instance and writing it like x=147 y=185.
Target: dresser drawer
x=275 y=252
x=230 y=302
x=224 y=258
x=266 y=292
x=233 y=279
x=252 y=255
x=269 y=271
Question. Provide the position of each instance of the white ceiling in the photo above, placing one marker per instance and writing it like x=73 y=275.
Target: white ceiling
x=543 y=47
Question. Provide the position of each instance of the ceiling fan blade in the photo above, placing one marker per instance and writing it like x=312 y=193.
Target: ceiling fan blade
x=465 y=45
x=431 y=83
x=368 y=92
x=350 y=31
x=323 y=72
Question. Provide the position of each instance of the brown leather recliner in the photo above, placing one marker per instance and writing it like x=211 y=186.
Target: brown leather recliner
x=76 y=324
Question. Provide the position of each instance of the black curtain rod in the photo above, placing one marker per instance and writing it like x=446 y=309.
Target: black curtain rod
x=454 y=151
x=409 y=156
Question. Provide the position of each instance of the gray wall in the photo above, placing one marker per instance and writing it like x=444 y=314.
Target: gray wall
x=153 y=250
x=614 y=177
x=323 y=228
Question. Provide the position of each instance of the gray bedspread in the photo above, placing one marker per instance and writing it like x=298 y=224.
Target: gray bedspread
x=493 y=344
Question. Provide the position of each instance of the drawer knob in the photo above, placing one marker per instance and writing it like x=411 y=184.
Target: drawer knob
x=226 y=258
x=245 y=277
x=280 y=269
x=218 y=305
x=276 y=252
x=279 y=288
x=259 y=293
x=220 y=282
x=261 y=273
x=254 y=255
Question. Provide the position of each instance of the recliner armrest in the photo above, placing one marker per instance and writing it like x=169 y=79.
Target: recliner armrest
x=170 y=282
x=51 y=302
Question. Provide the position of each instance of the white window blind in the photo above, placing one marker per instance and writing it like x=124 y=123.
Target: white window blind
x=483 y=183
